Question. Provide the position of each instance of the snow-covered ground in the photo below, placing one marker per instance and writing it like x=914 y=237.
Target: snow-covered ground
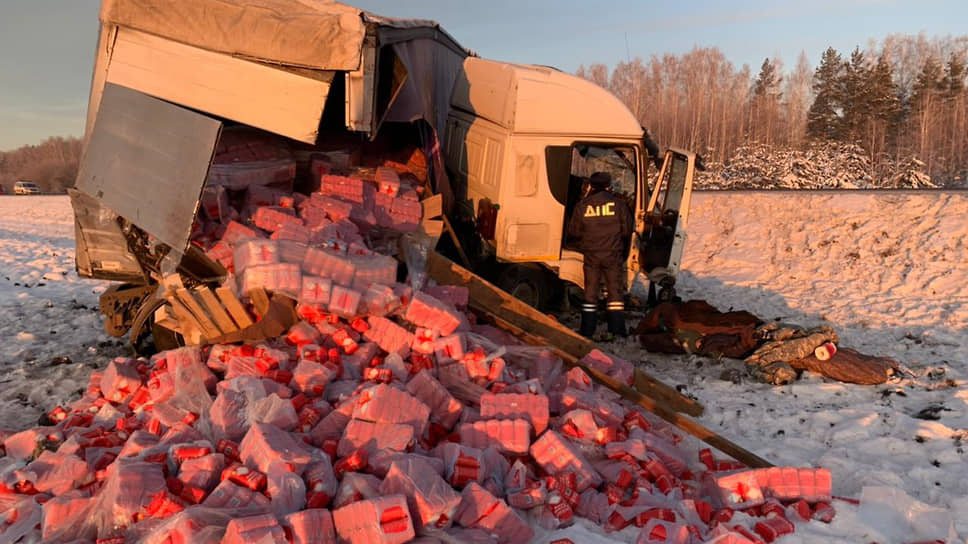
x=887 y=270
x=47 y=310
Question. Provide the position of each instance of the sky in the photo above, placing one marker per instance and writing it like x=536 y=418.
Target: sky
x=47 y=46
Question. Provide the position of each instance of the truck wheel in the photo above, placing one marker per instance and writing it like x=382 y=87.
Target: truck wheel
x=155 y=338
x=165 y=338
x=146 y=336
x=530 y=285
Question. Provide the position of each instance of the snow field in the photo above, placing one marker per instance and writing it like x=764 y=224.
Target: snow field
x=886 y=270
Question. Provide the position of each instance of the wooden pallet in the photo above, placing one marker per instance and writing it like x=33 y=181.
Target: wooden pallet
x=203 y=315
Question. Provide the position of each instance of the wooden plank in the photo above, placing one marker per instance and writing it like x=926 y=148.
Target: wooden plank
x=681 y=421
x=165 y=317
x=453 y=238
x=191 y=329
x=254 y=94
x=208 y=327
x=147 y=161
x=279 y=316
x=495 y=301
x=432 y=227
x=260 y=300
x=234 y=306
x=433 y=207
x=211 y=303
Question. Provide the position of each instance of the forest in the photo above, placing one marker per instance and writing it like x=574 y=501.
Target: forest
x=52 y=164
x=894 y=111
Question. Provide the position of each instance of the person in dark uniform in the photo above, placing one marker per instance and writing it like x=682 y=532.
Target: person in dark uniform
x=602 y=225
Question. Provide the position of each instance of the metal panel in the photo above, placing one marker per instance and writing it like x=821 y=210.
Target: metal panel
x=360 y=92
x=102 y=251
x=289 y=102
x=571 y=267
x=525 y=175
x=528 y=241
x=494 y=155
x=147 y=160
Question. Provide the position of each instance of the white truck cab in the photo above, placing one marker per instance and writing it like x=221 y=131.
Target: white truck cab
x=522 y=139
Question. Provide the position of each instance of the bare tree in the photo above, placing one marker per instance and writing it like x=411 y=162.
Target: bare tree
x=797 y=99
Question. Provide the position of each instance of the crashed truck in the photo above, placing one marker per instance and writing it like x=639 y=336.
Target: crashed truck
x=507 y=146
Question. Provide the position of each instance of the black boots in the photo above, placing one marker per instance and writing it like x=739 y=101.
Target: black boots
x=589 y=322
x=616 y=323
x=615 y=317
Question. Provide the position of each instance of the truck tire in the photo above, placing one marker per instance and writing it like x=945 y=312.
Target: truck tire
x=146 y=336
x=165 y=338
x=529 y=284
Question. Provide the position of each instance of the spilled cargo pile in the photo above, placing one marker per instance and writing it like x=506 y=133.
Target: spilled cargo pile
x=385 y=413
x=306 y=440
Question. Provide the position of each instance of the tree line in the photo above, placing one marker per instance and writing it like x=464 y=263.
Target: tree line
x=901 y=100
x=52 y=164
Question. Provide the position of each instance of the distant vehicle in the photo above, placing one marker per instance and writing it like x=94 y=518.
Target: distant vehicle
x=26 y=188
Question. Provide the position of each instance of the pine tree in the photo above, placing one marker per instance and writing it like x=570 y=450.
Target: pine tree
x=824 y=116
x=856 y=98
x=927 y=111
x=767 y=83
x=879 y=129
x=883 y=93
x=930 y=82
x=954 y=77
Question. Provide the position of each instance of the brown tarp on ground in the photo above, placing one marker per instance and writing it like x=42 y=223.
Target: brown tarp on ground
x=698 y=327
x=318 y=34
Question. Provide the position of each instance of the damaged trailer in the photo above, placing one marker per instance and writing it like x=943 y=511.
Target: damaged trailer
x=508 y=147
x=169 y=76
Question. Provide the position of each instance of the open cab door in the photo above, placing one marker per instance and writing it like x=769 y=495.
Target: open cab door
x=661 y=226
x=625 y=164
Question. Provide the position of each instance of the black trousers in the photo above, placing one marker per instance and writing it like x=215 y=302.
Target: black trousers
x=610 y=267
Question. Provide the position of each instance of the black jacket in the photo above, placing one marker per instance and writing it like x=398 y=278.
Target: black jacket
x=601 y=223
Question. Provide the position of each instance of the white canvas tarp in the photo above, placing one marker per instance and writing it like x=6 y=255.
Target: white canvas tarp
x=318 y=34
